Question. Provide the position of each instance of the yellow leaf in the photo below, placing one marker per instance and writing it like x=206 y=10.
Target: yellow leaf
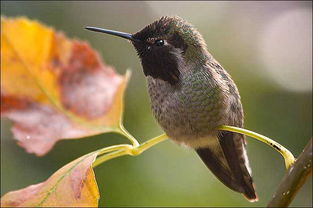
x=55 y=88
x=73 y=185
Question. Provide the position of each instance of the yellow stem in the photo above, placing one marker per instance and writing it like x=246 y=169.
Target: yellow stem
x=120 y=150
x=124 y=132
x=114 y=148
x=109 y=156
x=287 y=155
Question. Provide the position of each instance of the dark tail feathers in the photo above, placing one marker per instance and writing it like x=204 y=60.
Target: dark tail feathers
x=227 y=162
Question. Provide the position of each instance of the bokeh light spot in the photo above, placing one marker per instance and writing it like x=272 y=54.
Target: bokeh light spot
x=286 y=49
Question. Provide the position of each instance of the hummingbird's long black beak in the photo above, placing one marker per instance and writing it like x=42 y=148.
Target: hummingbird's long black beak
x=112 y=32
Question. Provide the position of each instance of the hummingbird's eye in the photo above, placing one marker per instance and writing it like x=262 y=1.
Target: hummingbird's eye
x=159 y=42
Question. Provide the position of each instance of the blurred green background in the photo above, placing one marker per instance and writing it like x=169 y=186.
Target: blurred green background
x=265 y=46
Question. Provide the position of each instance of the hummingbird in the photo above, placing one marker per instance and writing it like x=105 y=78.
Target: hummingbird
x=191 y=95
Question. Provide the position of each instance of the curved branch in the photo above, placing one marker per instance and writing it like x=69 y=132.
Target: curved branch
x=287 y=155
x=294 y=179
x=120 y=150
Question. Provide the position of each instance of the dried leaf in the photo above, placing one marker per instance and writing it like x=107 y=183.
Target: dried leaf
x=55 y=88
x=73 y=185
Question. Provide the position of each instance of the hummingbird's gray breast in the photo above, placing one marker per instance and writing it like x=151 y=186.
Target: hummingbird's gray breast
x=192 y=109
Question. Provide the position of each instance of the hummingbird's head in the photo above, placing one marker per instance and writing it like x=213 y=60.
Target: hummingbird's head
x=166 y=47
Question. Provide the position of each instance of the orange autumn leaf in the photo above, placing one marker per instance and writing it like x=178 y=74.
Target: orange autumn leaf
x=73 y=185
x=55 y=88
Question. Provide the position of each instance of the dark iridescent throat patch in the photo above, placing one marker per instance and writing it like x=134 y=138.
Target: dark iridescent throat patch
x=161 y=62
x=162 y=66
